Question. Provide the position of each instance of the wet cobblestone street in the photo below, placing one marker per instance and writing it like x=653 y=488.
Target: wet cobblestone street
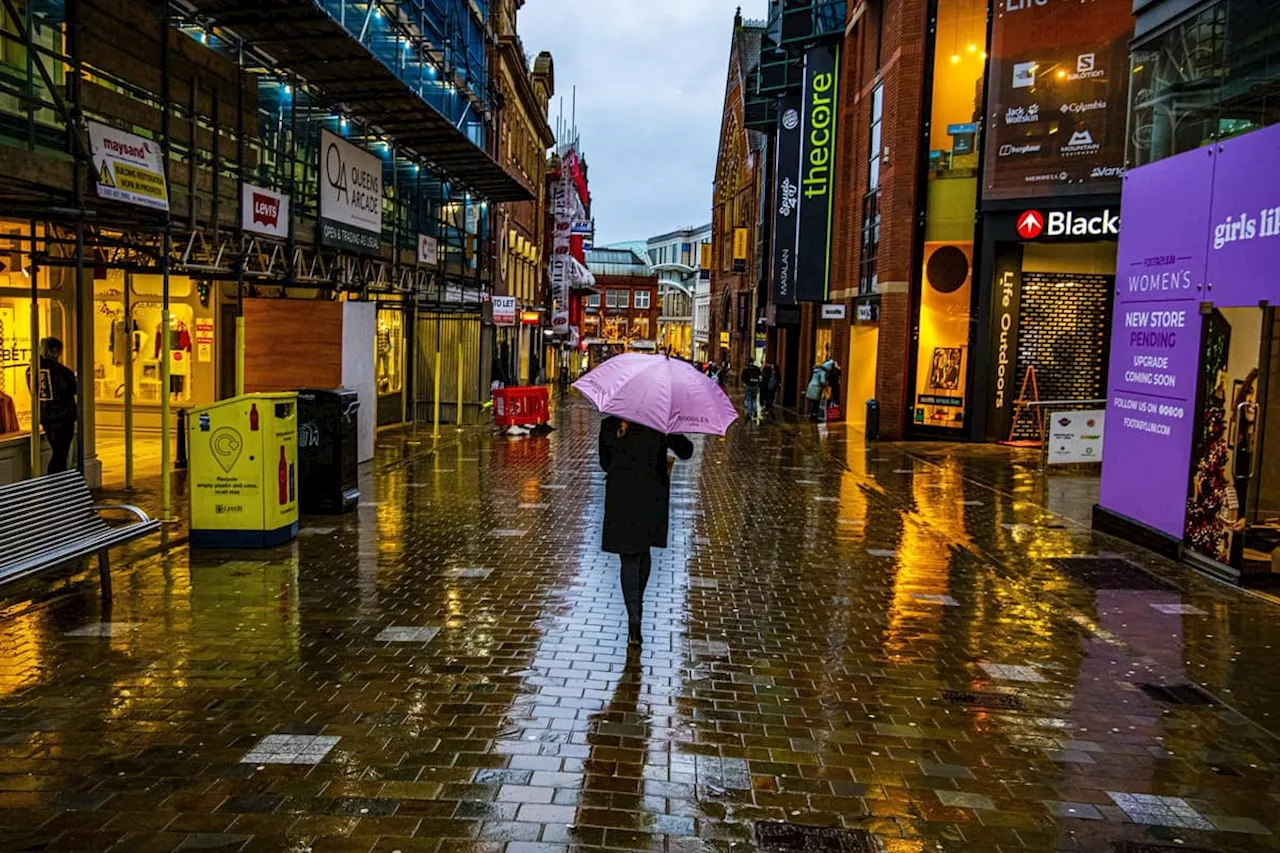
x=885 y=641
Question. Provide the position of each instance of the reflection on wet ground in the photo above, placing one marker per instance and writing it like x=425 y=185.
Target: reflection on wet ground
x=901 y=645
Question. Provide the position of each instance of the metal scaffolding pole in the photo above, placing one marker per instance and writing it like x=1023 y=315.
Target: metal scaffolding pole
x=166 y=428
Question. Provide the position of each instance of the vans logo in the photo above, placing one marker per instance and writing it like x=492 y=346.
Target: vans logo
x=1107 y=172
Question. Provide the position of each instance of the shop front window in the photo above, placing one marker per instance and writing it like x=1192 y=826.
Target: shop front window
x=942 y=355
x=959 y=59
x=389 y=364
x=15 y=355
x=134 y=339
x=1214 y=75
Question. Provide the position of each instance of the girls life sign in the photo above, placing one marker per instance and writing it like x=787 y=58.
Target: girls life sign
x=1200 y=228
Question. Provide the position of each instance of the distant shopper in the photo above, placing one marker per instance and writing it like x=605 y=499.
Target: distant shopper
x=722 y=374
x=817 y=388
x=637 y=504
x=59 y=409
x=768 y=388
x=751 y=379
x=834 y=373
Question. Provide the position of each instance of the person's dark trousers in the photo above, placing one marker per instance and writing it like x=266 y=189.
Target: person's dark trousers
x=815 y=410
x=635 y=578
x=60 y=437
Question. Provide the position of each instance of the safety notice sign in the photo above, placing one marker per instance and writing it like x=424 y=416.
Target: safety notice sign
x=128 y=167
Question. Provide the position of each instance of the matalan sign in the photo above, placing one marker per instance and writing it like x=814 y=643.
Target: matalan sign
x=127 y=167
x=265 y=211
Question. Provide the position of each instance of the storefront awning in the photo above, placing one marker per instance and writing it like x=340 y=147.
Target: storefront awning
x=302 y=38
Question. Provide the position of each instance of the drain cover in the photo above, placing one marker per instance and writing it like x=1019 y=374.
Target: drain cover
x=780 y=837
x=997 y=701
x=1179 y=694
x=1109 y=573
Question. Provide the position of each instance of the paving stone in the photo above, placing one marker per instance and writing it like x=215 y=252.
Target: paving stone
x=1179 y=609
x=407 y=634
x=468 y=574
x=1159 y=811
x=105 y=629
x=962 y=800
x=943 y=600
x=1011 y=672
x=290 y=749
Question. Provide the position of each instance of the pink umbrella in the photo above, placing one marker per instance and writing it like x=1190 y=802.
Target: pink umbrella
x=666 y=394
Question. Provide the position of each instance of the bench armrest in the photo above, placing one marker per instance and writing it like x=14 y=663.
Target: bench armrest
x=142 y=516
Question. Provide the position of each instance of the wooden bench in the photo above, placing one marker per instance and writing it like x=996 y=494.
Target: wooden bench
x=51 y=521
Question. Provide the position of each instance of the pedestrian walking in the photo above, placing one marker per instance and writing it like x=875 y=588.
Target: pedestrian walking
x=833 y=382
x=58 y=403
x=751 y=378
x=817 y=388
x=637 y=503
x=768 y=388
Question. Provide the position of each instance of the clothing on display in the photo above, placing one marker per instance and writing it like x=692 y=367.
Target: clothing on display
x=8 y=415
x=179 y=338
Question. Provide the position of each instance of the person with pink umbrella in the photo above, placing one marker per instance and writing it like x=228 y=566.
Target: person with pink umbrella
x=650 y=401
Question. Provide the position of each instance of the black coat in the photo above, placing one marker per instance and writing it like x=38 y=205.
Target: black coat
x=637 y=485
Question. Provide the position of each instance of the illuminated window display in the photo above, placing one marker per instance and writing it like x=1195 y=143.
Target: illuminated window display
x=389 y=351
x=15 y=355
x=942 y=356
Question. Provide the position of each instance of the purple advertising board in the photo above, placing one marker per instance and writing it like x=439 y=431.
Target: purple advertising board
x=1155 y=340
x=1244 y=233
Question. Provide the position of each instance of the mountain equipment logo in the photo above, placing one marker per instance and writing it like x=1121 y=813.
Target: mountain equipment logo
x=1030 y=225
x=790 y=119
x=1081 y=142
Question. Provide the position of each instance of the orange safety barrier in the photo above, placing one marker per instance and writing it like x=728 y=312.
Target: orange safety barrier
x=521 y=406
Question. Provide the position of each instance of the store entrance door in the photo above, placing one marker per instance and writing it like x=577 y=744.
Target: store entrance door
x=1233 y=504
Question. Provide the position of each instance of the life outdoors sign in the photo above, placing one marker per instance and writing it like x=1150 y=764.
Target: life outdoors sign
x=128 y=167
x=817 y=173
x=264 y=211
x=786 y=216
x=350 y=196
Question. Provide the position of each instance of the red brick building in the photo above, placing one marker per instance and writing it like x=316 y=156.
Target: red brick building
x=623 y=314
x=735 y=214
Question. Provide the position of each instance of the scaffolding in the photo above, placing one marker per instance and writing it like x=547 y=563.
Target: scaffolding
x=236 y=92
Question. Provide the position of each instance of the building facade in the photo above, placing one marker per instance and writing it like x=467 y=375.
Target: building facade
x=1191 y=447
x=623 y=313
x=524 y=136
x=735 y=210
x=677 y=259
x=200 y=202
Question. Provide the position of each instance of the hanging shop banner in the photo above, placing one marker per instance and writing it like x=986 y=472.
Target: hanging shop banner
x=350 y=196
x=1058 y=98
x=264 y=211
x=817 y=171
x=741 y=244
x=504 y=310
x=428 y=250
x=127 y=167
x=786 y=218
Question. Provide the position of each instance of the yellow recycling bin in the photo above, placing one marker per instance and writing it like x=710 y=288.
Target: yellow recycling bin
x=243 y=471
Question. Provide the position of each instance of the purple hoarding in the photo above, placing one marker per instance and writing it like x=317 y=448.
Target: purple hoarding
x=1155 y=340
x=1244 y=237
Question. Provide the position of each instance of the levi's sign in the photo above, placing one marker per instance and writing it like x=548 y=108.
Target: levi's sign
x=264 y=211
x=1060 y=224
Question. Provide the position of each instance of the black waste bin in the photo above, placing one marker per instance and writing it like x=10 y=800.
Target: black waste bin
x=328 y=480
x=873 y=420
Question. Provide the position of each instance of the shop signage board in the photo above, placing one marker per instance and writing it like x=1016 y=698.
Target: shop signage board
x=1155 y=340
x=428 y=250
x=1076 y=437
x=127 y=167
x=741 y=245
x=1244 y=240
x=504 y=310
x=204 y=339
x=1058 y=98
x=264 y=211
x=834 y=311
x=817 y=173
x=1007 y=307
x=350 y=196
x=1051 y=224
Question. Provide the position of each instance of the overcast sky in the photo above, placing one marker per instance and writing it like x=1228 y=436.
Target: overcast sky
x=650 y=77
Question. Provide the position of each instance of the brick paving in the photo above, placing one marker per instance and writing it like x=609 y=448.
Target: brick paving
x=897 y=649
